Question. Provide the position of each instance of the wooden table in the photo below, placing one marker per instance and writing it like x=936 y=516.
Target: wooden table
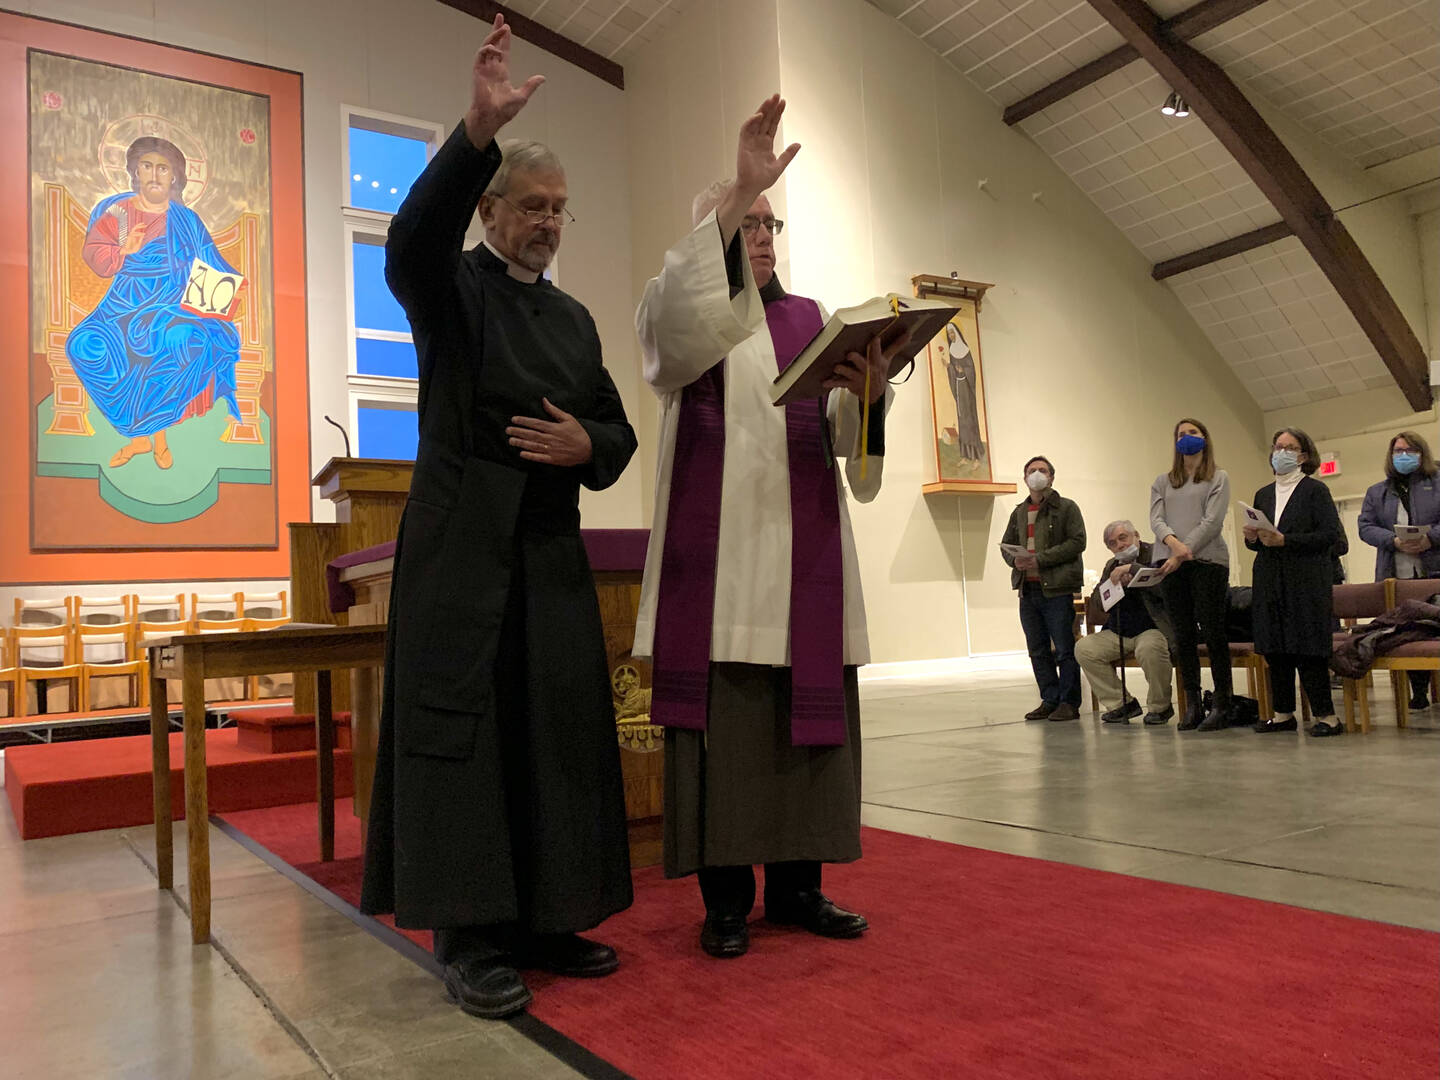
x=193 y=658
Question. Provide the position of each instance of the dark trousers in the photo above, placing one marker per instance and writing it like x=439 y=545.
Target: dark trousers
x=1198 y=593
x=1049 y=625
x=1420 y=684
x=730 y=890
x=1314 y=677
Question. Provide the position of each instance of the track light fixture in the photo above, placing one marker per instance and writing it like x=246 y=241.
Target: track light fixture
x=1175 y=106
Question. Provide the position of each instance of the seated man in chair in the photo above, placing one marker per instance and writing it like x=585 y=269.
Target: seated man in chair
x=1136 y=626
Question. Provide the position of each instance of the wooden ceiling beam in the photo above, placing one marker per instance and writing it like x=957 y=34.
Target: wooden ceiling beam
x=543 y=37
x=1190 y=23
x=1266 y=234
x=1235 y=123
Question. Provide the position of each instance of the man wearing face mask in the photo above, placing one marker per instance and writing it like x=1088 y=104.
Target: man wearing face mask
x=1052 y=532
x=1136 y=626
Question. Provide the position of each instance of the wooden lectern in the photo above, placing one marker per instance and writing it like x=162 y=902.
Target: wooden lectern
x=369 y=495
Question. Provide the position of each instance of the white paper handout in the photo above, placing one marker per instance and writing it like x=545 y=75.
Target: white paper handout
x=1409 y=532
x=1146 y=576
x=1254 y=519
x=1014 y=550
x=1111 y=594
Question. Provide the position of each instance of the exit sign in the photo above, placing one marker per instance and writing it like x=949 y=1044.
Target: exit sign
x=1329 y=464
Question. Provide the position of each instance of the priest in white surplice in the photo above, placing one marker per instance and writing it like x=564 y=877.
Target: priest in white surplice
x=751 y=608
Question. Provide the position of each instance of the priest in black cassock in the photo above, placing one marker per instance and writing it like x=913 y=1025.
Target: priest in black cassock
x=498 y=817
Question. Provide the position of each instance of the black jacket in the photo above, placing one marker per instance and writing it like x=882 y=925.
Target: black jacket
x=1291 y=607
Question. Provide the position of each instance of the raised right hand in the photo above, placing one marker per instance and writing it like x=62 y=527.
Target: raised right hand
x=494 y=102
x=756 y=166
x=134 y=240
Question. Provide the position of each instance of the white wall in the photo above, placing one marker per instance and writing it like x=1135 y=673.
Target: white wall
x=413 y=57
x=1087 y=359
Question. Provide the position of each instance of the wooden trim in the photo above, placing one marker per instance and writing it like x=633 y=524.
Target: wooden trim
x=1255 y=238
x=968 y=487
x=1270 y=165
x=545 y=38
x=934 y=285
x=1190 y=23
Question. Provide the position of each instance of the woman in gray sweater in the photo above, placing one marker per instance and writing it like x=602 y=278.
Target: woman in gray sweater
x=1187 y=510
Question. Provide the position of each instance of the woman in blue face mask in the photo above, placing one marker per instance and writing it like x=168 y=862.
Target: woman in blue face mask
x=1409 y=495
x=1292 y=582
x=1187 y=512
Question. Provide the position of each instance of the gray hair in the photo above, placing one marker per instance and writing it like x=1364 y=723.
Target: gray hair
x=522 y=155
x=709 y=199
x=1116 y=526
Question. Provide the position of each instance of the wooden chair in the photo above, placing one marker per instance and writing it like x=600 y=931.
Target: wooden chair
x=10 y=681
x=1353 y=605
x=156 y=617
x=34 y=649
x=1095 y=621
x=1417 y=656
x=103 y=629
x=265 y=611
x=211 y=613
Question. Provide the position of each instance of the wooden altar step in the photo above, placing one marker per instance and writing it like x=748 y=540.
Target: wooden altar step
x=68 y=787
x=282 y=730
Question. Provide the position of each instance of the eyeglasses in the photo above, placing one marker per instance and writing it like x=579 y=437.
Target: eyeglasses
x=749 y=224
x=561 y=217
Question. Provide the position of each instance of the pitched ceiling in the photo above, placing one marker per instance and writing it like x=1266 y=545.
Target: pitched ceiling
x=1362 y=77
x=612 y=28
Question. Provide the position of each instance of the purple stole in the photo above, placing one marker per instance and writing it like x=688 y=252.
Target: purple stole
x=686 y=609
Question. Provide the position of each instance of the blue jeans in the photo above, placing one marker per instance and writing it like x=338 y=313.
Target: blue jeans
x=1049 y=625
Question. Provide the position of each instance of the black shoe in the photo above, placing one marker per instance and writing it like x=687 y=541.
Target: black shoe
x=1420 y=701
x=1041 y=711
x=486 y=986
x=1216 y=719
x=1157 y=719
x=1265 y=727
x=1122 y=714
x=1065 y=711
x=1194 y=713
x=567 y=954
x=725 y=936
x=814 y=911
x=1320 y=728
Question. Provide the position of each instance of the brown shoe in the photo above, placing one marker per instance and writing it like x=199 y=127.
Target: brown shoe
x=1065 y=711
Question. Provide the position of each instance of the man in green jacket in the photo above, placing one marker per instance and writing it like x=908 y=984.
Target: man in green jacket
x=1042 y=544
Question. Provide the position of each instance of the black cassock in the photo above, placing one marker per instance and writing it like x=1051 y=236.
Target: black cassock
x=497 y=792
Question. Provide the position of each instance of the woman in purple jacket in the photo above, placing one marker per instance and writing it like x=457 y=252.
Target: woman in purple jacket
x=1409 y=495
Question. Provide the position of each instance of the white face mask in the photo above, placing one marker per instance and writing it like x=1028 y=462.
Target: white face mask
x=1037 y=481
x=1129 y=554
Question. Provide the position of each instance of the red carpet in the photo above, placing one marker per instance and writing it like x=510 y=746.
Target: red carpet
x=69 y=787
x=982 y=965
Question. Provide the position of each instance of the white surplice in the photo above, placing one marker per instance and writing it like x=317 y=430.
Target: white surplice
x=687 y=324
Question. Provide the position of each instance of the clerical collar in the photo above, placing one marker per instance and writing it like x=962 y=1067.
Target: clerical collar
x=514 y=269
x=772 y=290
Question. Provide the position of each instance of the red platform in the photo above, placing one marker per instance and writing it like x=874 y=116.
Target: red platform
x=281 y=730
x=69 y=787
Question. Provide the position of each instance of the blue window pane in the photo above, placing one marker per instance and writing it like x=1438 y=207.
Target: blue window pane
x=395 y=358
x=375 y=307
x=382 y=168
x=389 y=433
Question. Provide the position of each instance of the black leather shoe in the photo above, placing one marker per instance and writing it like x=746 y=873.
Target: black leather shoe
x=1193 y=715
x=1041 y=711
x=1420 y=701
x=567 y=954
x=486 y=986
x=1216 y=719
x=1157 y=719
x=815 y=911
x=725 y=936
x=1320 y=728
x=1265 y=727
x=1123 y=714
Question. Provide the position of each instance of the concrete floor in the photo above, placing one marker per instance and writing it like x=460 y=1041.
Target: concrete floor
x=99 y=979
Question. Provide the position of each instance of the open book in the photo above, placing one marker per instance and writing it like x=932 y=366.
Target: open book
x=210 y=292
x=850 y=330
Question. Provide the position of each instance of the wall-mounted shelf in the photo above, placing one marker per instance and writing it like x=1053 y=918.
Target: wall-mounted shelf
x=968 y=487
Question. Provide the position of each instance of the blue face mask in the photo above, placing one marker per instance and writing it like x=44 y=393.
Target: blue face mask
x=1284 y=461
x=1190 y=444
x=1405 y=463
